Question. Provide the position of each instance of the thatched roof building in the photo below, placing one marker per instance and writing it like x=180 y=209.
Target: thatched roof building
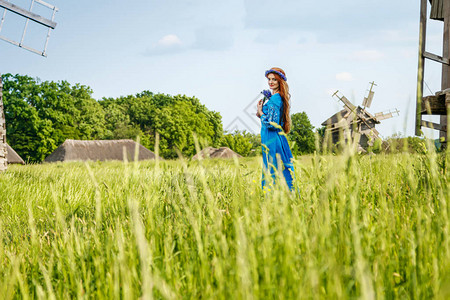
x=12 y=157
x=77 y=150
x=222 y=152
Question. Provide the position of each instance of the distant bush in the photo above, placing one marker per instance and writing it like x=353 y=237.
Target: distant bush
x=242 y=142
x=398 y=144
x=377 y=147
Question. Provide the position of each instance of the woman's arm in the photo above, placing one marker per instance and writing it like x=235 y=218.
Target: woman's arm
x=273 y=116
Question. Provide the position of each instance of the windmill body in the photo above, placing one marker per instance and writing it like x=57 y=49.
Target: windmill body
x=355 y=121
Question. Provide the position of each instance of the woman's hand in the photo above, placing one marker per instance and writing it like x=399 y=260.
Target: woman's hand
x=259 y=106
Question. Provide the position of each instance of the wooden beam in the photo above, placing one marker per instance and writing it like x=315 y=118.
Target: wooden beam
x=27 y=14
x=434 y=105
x=421 y=67
x=437 y=10
x=445 y=68
x=435 y=57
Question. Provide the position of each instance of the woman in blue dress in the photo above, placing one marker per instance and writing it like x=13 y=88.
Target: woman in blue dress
x=275 y=123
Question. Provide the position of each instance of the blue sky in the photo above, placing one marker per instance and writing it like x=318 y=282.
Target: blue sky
x=218 y=51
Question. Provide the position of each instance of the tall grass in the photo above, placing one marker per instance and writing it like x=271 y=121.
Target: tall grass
x=370 y=227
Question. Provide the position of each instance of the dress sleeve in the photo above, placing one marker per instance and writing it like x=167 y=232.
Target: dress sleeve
x=273 y=115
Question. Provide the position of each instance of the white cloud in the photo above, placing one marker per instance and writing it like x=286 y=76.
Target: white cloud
x=167 y=44
x=211 y=38
x=344 y=76
x=169 y=41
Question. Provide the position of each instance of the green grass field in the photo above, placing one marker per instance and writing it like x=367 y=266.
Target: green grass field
x=370 y=227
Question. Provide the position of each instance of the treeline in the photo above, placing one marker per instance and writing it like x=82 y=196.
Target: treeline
x=398 y=143
x=41 y=115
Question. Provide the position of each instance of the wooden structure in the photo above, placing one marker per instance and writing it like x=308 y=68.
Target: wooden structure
x=356 y=121
x=439 y=103
x=29 y=16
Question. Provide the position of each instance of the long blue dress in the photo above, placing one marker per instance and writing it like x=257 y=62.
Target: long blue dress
x=275 y=144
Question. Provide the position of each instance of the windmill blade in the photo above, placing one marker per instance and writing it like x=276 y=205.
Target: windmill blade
x=367 y=102
x=383 y=116
x=344 y=100
x=29 y=16
x=387 y=115
x=347 y=103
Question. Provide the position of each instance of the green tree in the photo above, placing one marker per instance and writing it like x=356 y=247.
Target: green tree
x=42 y=115
x=90 y=121
x=239 y=142
x=302 y=134
x=27 y=133
x=177 y=124
x=175 y=118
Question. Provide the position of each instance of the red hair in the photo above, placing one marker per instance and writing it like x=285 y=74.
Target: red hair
x=283 y=90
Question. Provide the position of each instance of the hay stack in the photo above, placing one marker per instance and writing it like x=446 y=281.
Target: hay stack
x=210 y=152
x=77 y=150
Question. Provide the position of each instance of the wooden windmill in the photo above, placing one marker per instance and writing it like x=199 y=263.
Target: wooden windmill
x=29 y=16
x=439 y=103
x=356 y=121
